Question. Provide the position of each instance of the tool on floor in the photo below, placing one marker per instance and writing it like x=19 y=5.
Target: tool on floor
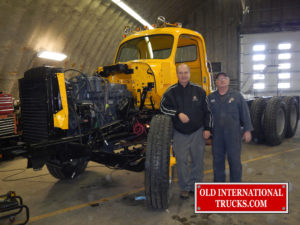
x=13 y=204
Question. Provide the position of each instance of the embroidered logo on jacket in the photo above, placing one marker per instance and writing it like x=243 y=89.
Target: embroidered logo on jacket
x=231 y=100
x=195 y=99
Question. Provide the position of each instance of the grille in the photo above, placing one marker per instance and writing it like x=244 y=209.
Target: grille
x=7 y=124
x=6 y=104
x=36 y=95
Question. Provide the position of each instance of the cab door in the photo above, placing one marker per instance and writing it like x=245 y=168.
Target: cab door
x=188 y=52
x=191 y=51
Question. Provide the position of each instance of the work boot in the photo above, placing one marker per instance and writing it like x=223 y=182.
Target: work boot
x=184 y=194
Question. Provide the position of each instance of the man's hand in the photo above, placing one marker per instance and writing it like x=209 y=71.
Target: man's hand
x=183 y=118
x=206 y=134
x=247 y=136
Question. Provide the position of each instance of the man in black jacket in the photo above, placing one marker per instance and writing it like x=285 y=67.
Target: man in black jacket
x=186 y=103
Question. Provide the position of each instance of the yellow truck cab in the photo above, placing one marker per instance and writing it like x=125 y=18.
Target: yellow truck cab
x=150 y=58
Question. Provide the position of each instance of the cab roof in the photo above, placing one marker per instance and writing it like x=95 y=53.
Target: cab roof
x=175 y=31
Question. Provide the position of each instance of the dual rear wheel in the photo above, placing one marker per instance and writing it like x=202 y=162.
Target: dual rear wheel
x=274 y=119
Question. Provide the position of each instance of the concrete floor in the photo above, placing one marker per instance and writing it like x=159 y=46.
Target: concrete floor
x=105 y=196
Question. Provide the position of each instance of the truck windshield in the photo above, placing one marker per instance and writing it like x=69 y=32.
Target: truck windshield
x=147 y=47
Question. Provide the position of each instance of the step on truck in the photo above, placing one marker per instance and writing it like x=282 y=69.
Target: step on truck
x=112 y=117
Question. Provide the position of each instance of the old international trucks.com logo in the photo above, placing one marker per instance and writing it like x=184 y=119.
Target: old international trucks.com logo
x=241 y=198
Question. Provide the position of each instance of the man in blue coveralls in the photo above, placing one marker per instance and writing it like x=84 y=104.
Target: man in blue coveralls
x=231 y=123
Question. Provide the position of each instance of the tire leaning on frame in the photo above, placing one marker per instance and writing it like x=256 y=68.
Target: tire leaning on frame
x=67 y=170
x=157 y=162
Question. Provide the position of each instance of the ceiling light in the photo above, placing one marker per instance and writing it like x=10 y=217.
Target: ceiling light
x=284 y=46
x=284 y=85
x=259 y=47
x=258 y=57
x=259 y=86
x=131 y=12
x=259 y=67
x=284 y=75
x=51 y=55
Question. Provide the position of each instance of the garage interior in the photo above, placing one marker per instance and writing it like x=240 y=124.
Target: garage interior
x=89 y=32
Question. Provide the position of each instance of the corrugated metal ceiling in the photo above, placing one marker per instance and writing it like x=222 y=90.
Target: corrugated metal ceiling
x=87 y=31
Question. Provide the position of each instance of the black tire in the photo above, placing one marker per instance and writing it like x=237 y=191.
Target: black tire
x=292 y=115
x=157 y=162
x=275 y=121
x=257 y=110
x=67 y=170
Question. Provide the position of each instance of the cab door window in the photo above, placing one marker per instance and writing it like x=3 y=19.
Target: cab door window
x=188 y=52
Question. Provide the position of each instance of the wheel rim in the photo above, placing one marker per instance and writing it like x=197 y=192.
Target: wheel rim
x=293 y=116
x=280 y=122
x=71 y=167
x=171 y=165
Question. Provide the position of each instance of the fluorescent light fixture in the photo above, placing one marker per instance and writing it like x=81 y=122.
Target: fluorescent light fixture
x=259 y=86
x=284 y=85
x=51 y=55
x=259 y=66
x=258 y=76
x=259 y=47
x=284 y=75
x=132 y=13
x=284 y=46
x=258 y=57
x=284 y=56
x=284 y=66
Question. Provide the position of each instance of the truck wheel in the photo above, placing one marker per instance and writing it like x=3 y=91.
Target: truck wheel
x=157 y=162
x=66 y=170
x=257 y=109
x=275 y=121
x=292 y=115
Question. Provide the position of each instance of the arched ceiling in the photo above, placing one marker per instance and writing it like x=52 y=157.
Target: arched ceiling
x=87 y=31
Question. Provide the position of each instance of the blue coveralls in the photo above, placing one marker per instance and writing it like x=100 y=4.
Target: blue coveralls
x=230 y=113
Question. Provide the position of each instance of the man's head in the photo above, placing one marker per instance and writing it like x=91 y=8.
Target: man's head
x=183 y=74
x=222 y=80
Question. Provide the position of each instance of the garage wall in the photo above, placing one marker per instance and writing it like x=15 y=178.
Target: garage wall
x=222 y=21
x=271 y=16
x=270 y=71
x=218 y=21
x=88 y=31
x=85 y=30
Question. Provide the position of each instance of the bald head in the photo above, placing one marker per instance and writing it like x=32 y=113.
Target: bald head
x=182 y=65
x=183 y=74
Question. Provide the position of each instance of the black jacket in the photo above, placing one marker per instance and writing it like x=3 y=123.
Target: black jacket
x=190 y=100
